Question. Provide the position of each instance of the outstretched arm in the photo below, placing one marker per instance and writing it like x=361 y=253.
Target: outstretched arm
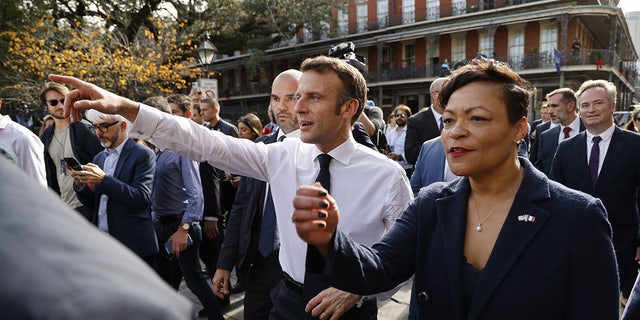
x=89 y=96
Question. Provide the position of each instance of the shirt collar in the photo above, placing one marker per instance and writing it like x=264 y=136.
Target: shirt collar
x=605 y=135
x=341 y=153
x=292 y=134
x=118 y=150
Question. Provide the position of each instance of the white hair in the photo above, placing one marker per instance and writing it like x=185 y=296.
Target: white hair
x=97 y=116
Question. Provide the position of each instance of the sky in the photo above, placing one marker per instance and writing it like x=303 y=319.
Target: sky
x=629 y=5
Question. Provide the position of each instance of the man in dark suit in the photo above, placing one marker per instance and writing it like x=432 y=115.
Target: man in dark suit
x=537 y=127
x=562 y=109
x=424 y=125
x=544 y=118
x=121 y=179
x=604 y=162
x=72 y=270
x=260 y=271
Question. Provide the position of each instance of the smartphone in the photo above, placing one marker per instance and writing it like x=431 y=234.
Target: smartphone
x=74 y=164
x=169 y=247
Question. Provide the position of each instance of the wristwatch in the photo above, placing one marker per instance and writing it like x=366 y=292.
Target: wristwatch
x=186 y=226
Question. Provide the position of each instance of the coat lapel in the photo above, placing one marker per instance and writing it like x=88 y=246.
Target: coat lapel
x=515 y=236
x=122 y=159
x=452 y=211
x=616 y=147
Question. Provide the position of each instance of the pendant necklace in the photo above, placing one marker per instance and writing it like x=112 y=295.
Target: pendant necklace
x=479 y=226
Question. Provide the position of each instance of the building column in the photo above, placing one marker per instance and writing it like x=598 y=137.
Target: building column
x=491 y=33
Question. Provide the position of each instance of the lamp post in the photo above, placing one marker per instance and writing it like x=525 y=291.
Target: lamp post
x=206 y=54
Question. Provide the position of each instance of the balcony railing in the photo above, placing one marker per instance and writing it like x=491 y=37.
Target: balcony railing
x=596 y=58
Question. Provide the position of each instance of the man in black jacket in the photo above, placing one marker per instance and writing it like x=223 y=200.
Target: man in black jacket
x=65 y=139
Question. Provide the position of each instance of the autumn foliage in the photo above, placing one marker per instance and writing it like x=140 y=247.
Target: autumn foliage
x=152 y=65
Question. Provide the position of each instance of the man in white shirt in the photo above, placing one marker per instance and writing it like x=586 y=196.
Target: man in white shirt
x=331 y=96
x=26 y=146
x=396 y=138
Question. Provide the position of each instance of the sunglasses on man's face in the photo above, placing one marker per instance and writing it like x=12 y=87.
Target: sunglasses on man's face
x=54 y=102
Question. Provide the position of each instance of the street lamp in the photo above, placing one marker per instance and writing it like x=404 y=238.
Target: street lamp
x=206 y=52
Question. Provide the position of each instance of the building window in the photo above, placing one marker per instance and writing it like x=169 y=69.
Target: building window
x=433 y=9
x=485 y=45
x=409 y=59
x=361 y=14
x=385 y=62
x=548 y=42
x=343 y=22
x=459 y=7
x=383 y=13
x=516 y=47
x=408 y=11
x=458 y=52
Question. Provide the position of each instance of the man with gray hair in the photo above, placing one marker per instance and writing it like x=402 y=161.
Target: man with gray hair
x=121 y=178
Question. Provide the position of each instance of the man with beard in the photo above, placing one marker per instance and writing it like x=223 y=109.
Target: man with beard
x=116 y=186
x=65 y=139
x=396 y=138
x=258 y=269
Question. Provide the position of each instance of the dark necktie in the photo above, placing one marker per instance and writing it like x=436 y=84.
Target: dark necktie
x=594 y=160
x=324 y=177
x=441 y=124
x=566 y=132
x=267 y=227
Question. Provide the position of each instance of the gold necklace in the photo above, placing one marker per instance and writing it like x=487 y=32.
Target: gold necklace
x=479 y=226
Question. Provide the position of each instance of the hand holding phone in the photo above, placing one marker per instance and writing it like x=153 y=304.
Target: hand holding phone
x=168 y=246
x=74 y=164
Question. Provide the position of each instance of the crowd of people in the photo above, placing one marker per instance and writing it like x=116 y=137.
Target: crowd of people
x=331 y=211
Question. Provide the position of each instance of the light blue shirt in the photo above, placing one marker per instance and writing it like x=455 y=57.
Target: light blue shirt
x=109 y=169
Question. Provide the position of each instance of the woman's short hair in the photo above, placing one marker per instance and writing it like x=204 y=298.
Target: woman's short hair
x=514 y=89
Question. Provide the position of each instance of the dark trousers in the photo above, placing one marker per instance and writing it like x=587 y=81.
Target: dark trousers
x=624 y=243
x=263 y=276
x=168 y=265
x=209 y=252
x=288 y=304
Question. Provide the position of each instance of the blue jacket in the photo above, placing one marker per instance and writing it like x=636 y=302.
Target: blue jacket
x=129 y=191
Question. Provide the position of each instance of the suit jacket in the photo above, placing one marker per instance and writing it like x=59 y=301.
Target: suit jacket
x=430 y=165
x=421 y=127
x=240 y=245
x=617 y=184
x=84 y=144
x=533 y=152
x=547 y=146
x=129 y=204
x=559 y=266
x=56 y=265
x=632 y=311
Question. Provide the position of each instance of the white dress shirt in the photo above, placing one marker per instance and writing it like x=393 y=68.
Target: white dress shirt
x=603 y=145
x=26 y=146
x=575 y=129
x=371 y=190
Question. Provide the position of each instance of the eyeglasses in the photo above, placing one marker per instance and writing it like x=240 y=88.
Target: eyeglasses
x=401 y=115
x=103 y=127
x=54 y=102
x=636 y=119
